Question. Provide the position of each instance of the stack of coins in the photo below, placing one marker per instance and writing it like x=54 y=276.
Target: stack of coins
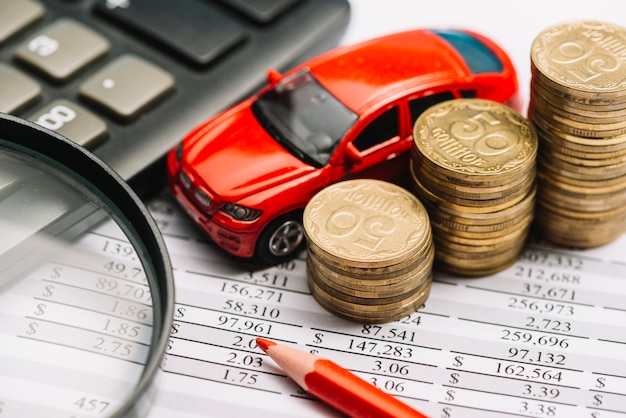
x=578 y=106
x=473 y=164
x=369 y=250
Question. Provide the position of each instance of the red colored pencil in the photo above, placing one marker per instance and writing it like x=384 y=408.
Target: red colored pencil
x=335 y=385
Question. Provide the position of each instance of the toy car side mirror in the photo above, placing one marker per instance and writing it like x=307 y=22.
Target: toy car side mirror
x=352 y=154
x=273 y=76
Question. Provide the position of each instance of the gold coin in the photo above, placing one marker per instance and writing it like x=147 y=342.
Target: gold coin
x=586 y=57
x=421 y=164
x=586 y=216
x=553 y=143
x=475 y=137
x=612 y=144
x=371 y=314
x=478 y=196
x=368 y=223
x=460 y=215
x=481 y=245
x=560 y=92
x=577 y=232
x=587 y=171
x=467 y=232
x=370 y=293
x=544 y=98
x=486 y=207
x=476 y=265
x=364 y=297
x=363 y=278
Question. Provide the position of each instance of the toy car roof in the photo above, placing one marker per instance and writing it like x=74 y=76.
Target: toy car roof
x=360 y=73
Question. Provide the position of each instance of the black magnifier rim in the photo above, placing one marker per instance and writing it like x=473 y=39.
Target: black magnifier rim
x=61 y=153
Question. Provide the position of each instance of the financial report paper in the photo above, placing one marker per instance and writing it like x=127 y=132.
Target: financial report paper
x=543 y=338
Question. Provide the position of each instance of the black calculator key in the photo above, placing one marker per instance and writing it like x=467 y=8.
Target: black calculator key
x=262 y=11
x=194 y=29
x=16 y=15
x=127 y=86
x=62 y=49
x=72 y=121
x=18 y=89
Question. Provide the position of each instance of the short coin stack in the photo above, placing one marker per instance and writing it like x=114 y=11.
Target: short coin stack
x=370 y=250
x=473 y=165
x=578 y=105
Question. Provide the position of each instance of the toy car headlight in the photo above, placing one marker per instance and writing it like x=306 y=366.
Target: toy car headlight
x=241 y=213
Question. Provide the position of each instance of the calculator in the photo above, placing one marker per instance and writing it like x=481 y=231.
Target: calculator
x=127 y=79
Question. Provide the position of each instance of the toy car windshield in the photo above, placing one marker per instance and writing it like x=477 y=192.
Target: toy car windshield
x=304 y=117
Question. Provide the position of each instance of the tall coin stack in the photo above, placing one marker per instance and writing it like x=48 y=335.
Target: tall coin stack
x=369 y=250
x=578 y=105
x=473 y=164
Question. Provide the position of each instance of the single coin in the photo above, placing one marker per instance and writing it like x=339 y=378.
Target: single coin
x=475 y=137
x=367 y=223
x=587 y=57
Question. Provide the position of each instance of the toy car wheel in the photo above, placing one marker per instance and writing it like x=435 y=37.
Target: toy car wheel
x=281 y=238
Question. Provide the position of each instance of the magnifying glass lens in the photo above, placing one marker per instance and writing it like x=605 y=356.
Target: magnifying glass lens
x=83 y=307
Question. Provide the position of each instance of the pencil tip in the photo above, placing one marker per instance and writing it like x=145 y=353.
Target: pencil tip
x=264 y=344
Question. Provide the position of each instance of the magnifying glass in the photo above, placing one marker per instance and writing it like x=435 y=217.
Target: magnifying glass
x=86 y=284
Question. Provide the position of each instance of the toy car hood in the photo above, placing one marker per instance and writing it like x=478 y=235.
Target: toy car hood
x=236 y=157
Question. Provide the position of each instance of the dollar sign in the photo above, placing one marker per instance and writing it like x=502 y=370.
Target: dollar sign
x=600 y=383
x=40 y=309
x=454 y=378
x=32 y=328
x=48 y=291
x=597 y=400
x=174 y=328
x=180 y=312
x=458 y=361
x=450 y=395
x=446 y=413
x=595 y=415
x=56 y=272
x=318 y=338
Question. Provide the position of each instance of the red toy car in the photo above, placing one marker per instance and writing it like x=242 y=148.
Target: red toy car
x=245 y=175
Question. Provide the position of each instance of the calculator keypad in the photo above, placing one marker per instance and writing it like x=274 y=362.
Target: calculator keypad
x=129 y=78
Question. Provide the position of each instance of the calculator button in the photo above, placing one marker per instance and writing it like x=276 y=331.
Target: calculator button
x=16 y=15
x=262 y=11
x=18 y=90
x=198 y=31
x=127 y=86
x=62 y=49
x=72 y=121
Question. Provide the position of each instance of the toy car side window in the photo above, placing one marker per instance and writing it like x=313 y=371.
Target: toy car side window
x=418 y=105
x=381 y=129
